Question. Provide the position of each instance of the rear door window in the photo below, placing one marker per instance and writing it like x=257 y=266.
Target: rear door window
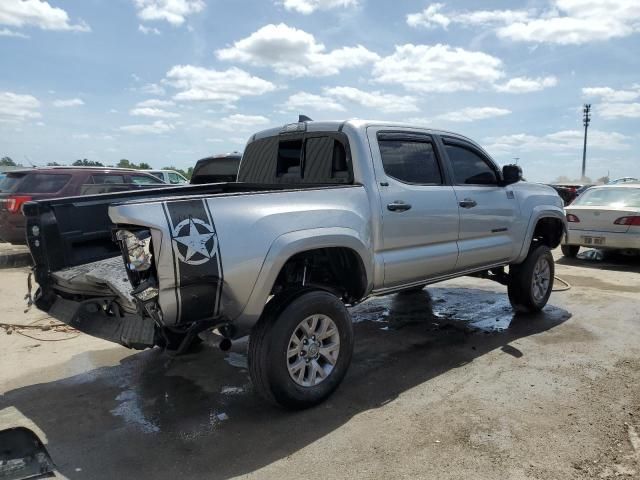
x=44 y=183
x=11 y=181
x=410 y=160
x=100 y=179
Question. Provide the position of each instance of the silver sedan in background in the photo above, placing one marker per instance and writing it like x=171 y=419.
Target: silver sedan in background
x=606 y=217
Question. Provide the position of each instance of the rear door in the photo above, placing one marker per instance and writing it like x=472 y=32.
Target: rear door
x=419 y=208
x=487 y=210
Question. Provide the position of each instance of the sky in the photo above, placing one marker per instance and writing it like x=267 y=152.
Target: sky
x=170 y=81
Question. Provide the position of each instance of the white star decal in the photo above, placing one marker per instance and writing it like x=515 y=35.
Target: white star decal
x=195 y=241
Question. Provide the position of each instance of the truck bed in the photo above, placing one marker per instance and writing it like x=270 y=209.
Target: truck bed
x=74 y=231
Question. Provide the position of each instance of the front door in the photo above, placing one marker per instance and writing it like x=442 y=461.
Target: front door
x=419 y=207
x=487 y=210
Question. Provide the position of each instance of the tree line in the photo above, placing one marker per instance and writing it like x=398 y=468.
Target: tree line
x=123 y=163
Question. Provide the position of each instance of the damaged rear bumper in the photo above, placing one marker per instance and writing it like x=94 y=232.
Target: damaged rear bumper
x=101 y=317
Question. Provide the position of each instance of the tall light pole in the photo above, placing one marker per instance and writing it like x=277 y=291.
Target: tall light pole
x=586 y=118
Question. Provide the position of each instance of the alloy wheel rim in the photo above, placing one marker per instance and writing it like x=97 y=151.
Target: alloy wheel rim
x=541 y=279
x=313 y=350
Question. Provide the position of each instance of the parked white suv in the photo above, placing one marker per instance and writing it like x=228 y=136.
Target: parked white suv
x=168 y=176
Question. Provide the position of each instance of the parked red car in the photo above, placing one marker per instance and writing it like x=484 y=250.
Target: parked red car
x=21 y=186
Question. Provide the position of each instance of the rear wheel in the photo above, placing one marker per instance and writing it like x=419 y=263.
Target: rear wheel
x=299 y=354
x=531 y=282
x=570 y=251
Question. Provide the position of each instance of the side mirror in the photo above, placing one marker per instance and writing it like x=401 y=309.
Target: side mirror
x=511 y=174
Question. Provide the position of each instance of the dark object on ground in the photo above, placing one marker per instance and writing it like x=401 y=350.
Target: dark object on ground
x=22 y=455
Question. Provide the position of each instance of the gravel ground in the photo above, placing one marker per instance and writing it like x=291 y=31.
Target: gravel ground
x=445 y=384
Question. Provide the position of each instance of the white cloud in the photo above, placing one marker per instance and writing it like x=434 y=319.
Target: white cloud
x=80 y=136
x=608 y=94
x=491 y=17
x=432 y=16
x=152 y=112
x=438 y=68
x=233 y=123
x=172 y=11
x=71 y=102
x=214 y=140
x=5 y=32
x=384 y=102
x=148 y=30
x=15 y=107
x=309 y=6
x=154 y=128
x=155 y=102
x=474 y=113
x=619 y=110
x=526 y=84
x=37 y=13
x=565 y=140
x=303 y=100
x=563 y=21
x=227 y=86
x=577 y=21
x=153 y=89
x=290 y=51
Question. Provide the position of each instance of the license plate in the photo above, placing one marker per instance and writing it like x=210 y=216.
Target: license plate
x=593 y=240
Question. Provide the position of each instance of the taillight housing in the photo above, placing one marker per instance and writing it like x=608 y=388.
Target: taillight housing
x=14 y=202
x=629 y=220
x=572 y=218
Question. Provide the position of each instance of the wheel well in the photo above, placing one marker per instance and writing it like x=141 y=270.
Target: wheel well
x=549 y=232
x=337 y=269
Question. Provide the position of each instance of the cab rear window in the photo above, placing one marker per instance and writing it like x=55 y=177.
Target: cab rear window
x=309 y=158
x=43 y=183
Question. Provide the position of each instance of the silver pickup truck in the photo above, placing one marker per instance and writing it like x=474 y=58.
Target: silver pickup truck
x=324 y=215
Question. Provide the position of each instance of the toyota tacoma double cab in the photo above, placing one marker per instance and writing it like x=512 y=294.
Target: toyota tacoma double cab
x=323 y=215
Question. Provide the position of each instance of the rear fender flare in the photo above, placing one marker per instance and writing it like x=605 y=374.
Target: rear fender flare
x=289 y=244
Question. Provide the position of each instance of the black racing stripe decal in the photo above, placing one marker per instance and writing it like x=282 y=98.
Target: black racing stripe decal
x=219 y=261
x=175 y=266
x=199 y=270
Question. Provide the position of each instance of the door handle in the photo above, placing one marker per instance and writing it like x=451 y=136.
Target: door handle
x=468 y=203
x=398 y=206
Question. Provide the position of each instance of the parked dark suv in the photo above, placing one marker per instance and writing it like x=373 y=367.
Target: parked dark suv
x=216 y=169
x=20 y=186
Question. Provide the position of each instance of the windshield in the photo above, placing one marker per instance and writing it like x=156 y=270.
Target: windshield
x=610 y=197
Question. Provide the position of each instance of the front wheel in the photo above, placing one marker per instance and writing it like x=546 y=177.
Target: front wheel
x=531 y=282
x=299 y=354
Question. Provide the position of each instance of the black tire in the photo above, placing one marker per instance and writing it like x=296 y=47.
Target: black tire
x=269 y=342
x=570 y=251
x=415 y=289
x=520 y=287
